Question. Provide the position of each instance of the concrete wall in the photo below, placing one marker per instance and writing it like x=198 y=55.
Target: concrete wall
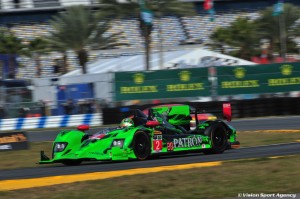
x=45 y=88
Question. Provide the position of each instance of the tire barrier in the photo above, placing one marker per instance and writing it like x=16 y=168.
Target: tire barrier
x=50 y=122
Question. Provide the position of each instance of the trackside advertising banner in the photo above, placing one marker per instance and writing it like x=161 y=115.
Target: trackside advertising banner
x=197 y=82
x=162 y=84
x=267 y=78
x=13 y=141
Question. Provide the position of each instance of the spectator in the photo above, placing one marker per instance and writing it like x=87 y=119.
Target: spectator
x=17 y=3
x=69 y=107
x=2 y=112
x=23 y=111
x=91 y=106
x=42 y=105
x=56 y=67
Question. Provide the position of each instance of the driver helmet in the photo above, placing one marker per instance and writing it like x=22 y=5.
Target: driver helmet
x=126 y=122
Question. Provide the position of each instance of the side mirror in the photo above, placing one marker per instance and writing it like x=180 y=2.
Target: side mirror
x=152 y=124
x=83 y=127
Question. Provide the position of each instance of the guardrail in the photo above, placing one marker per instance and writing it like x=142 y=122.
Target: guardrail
x=50 y=122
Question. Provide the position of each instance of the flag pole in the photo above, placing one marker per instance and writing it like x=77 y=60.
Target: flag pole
x=279 y=12
x=282 y=36
x=161 y=39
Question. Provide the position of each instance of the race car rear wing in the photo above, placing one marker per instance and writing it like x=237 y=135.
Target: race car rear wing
x=225 y=111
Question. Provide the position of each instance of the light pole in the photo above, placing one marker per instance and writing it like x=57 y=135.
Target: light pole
x=146 y=27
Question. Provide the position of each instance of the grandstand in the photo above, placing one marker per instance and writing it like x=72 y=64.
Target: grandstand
x=28 y=19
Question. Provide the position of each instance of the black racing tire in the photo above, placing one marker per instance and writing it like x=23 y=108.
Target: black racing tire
x=141 y=145
x=218 y=136
x=72 y=162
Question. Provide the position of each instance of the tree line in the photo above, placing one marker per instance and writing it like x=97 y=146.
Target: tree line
x=247 y=38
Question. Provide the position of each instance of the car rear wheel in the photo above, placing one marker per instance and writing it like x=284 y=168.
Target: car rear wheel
x=218 y=136
x=141 y=145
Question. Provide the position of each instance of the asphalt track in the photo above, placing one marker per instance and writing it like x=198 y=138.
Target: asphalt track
x=242 y=153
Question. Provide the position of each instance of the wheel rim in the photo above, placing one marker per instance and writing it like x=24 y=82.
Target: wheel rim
x=218 y=138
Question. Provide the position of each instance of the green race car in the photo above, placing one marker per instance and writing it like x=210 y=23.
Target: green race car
x=166 y=130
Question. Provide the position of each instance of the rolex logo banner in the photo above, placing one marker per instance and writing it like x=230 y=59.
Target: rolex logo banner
x=162 y=84
x=269 y=78
x=194 y=82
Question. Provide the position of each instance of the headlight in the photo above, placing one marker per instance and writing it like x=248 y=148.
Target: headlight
x=60 y=146
x=118 y=143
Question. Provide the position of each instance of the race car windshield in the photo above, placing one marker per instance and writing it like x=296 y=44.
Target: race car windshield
x=138 y=113
x=102 y=133
x=161 y=117
x=139 y=118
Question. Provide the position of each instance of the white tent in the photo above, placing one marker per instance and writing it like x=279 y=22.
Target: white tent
x=171 y=59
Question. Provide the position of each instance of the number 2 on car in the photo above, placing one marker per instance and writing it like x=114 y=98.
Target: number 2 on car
x=157 y=143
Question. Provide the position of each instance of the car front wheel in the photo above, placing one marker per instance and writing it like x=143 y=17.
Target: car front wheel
x=141 y=145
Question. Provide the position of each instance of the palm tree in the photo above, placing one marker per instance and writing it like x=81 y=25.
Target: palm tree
x=241 y=36
x=12 y=46
x=132 y=8
x=246 y=35
x=79 y=29
x=270 y=27
x=38 y=47
x=54 y=46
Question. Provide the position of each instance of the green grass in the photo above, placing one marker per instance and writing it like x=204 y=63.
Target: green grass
x=24 y=158
x=256 y=138
x=29 y=158
x=262 y=175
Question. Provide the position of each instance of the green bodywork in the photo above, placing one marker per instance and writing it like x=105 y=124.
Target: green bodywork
x=164 y=139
